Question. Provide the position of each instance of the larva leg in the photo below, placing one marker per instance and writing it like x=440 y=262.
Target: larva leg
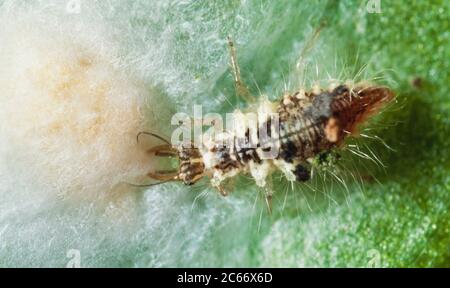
x=222 y=190
x=226 y=186
x=241 y=90
x=302 y=173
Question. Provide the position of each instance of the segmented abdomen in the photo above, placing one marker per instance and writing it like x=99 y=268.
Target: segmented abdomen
x=303 y=118
x=309 y=123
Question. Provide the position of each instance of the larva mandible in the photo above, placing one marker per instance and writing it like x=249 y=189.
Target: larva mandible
x=309 y=123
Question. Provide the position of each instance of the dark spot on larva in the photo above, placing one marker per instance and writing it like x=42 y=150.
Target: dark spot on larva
x=302 y=173
x=267 y=149
x=321 y=107
x=223 y=155
x=226 y=165
x=256 y=157
x=269 y=127
x=323 y=158
x=244 y=155
x=341 y=89
x=288 y=151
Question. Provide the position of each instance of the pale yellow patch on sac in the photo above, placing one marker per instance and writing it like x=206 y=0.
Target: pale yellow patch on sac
x=70 y=116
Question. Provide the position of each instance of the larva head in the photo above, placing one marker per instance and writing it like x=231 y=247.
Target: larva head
x=190 y=167
x=351 y=107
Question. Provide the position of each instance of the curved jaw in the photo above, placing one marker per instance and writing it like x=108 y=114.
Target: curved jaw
x=190 y=167
x=164 y=175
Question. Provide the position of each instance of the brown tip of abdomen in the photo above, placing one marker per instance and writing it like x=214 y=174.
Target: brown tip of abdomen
x=361 y=103
x=371 y=99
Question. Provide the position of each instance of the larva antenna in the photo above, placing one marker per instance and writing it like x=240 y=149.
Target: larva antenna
x=153 y=135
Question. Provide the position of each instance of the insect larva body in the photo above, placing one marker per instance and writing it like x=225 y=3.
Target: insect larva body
x=308 y=124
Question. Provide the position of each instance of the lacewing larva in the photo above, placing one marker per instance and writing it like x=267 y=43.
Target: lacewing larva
x=309 y=123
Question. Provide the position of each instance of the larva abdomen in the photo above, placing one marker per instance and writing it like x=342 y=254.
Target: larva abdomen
x=309 y=124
